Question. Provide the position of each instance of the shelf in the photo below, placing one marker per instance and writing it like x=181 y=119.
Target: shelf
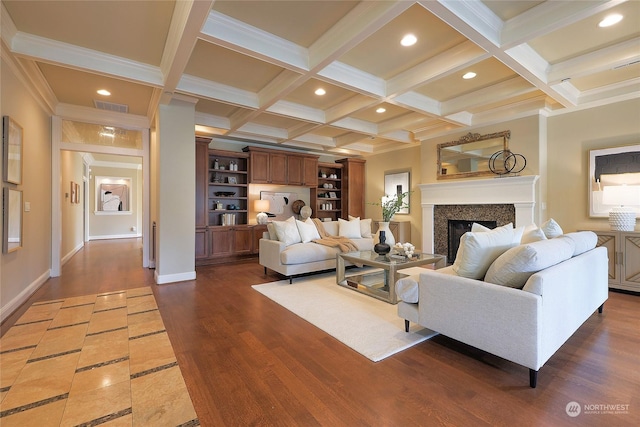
x=228 y=171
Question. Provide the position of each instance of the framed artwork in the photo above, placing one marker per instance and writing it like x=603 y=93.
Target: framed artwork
x=73 y=192
x=12 y=150
x=77 y=193
x=611 y=166
x=397 y=183
x=232 y=180
x=113 y=195
x=12 y=219
x=280 y=204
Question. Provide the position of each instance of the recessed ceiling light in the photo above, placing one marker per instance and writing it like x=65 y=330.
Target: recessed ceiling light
x=320 y=91
x=610 y=20
x=469 y=75
x=381 y=110
x=408 y=40
x=104 y=92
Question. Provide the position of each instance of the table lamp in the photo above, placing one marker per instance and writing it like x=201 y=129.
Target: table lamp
x=261 y=206
x=623 y=216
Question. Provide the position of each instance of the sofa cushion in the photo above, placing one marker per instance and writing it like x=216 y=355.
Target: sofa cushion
x=514 y=267
x=407 y=289
x=349 y=229
x=551 y=228
x=308 y=230
x=287 y=231
x=365 y=226
x=583 y=240
x=532 y=233
x=271 y=229
x=478 y=250
x=301 y=253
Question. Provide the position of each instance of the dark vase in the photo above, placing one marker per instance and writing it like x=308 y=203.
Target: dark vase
x=382 y=248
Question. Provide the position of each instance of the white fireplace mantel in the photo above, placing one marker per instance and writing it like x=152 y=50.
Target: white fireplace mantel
x=520 y=191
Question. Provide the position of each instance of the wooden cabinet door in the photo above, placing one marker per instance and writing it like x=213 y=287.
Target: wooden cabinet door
x=258 y=230
x=630 y=265
x=295 y=167
x=278 y=168
x=243 y=240
x=202 y=181
x=259 y=167
x=221 y=241
x=202 y=243
x=310 y=172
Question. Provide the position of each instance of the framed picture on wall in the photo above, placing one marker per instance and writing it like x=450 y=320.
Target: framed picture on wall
x=611 y=167
x=113 y=195
x=12 y=150
x=72 y=192
x=396 y=183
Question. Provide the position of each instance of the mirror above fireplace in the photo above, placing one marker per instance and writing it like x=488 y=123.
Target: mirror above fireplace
x=470 y=155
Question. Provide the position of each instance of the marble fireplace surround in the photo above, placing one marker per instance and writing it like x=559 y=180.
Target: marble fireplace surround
x=519 y=191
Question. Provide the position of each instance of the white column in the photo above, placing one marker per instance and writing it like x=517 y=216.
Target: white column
x=175 y=191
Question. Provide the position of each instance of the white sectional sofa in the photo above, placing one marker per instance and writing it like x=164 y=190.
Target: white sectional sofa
x=532 y=298
x=292 y=259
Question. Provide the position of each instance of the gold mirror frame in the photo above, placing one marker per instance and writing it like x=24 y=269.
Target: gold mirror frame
x=472 y=150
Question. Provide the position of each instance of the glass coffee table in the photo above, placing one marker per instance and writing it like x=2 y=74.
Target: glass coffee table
x=379 y=273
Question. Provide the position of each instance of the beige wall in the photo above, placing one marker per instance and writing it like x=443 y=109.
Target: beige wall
x=395 y=161
x=72 y=222
x=24 y=270
x=115 y=226
x=571 y=136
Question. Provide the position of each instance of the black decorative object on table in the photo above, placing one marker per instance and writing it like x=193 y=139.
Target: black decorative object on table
x=382 y=248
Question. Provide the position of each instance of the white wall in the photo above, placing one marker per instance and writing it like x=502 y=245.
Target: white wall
x=71 y=166
x=571 y=136
x=119 y=225
x=24 y=270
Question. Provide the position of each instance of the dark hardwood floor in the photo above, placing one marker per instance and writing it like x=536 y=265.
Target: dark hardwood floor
x=249 y=362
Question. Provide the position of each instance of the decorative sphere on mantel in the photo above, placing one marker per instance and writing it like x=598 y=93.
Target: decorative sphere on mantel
x=262 y=218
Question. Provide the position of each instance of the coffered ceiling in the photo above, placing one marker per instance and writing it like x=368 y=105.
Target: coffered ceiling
x=253 y=66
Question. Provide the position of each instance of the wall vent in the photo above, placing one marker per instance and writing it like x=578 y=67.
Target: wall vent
x=626 y=65
x=110 y=106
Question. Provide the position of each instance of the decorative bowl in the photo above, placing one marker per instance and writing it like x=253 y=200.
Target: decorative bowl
x=225 y=193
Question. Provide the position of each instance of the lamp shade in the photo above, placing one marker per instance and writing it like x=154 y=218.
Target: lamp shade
x=622 y=217
x=261 y=206
x=621 y=195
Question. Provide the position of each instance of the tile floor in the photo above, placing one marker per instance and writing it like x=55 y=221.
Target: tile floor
x=94 y=360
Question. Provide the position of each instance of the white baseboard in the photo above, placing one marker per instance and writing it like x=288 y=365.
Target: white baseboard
x=15 y=303
x=71 y=253
x=162 y=279
x=115 y=236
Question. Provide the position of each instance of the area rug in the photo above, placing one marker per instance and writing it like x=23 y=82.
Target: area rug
x=367 y=325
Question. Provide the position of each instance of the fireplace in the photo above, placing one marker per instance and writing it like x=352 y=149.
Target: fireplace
x=508 y=199
x=456 y=228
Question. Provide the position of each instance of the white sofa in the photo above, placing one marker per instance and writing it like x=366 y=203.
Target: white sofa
x=302 y=258
x=525 y=325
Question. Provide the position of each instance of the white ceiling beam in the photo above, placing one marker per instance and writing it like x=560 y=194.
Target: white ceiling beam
x=361 y=22
x=236 y=35
x=548 y=17
x=197 y=86
x=398 y=135
x=612 y=93
x=349 y=107
x=418 y=102
x=71 y=56
x=601 y=60
x=210 y=120
x=268 y=131
x=442 y=65
x=349 y=138
x=103 y=117
x=406 y=121
x=354 y=79
x=297 y=111
x=186 y=22
x=504 y=90
x=356 y=125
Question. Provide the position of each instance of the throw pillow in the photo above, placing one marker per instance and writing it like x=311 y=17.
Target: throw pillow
x=365 y=226
x=514 y=267
x=532 y=234
x=478 y=250
x=349 y=229
x=287 y=231
x=272 y=231
x=551 y=229
x=583 y=240
x=307 y=230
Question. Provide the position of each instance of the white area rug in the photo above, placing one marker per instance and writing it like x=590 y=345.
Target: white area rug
x=369 y=326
